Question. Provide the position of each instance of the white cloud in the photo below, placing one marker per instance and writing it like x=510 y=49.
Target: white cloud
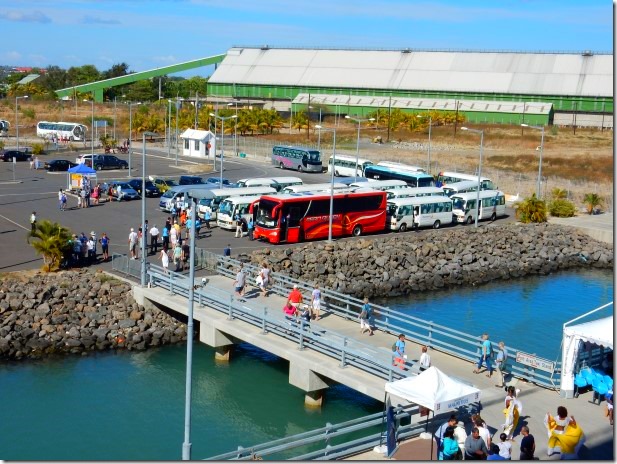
x=98 y=20
x=25 y=17
x=165 y=59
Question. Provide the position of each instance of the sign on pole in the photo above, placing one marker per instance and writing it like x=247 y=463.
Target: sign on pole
x=532 y=360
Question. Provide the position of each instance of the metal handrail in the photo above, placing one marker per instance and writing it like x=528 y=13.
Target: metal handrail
x=350 y=352
x=322 y=437
x=438 y=337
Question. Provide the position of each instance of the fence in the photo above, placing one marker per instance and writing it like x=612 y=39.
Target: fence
x=132 y=267
x=438 y=337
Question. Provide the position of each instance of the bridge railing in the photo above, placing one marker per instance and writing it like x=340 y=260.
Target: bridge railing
x=332 y=441
x=439 y=337
x=347 y=350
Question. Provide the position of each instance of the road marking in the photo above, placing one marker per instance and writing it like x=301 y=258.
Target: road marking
x=13 y=222
x=25 y=194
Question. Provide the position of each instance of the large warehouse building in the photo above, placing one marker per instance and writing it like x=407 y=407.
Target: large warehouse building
x=493 y=87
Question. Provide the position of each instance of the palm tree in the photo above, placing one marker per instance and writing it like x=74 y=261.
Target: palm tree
x=51 y=241
x=559 y=193
x=531 y=209
x=592 y=200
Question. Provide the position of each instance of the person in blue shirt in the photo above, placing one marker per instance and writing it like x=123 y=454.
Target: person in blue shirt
x=207 y=217
x=399 y=352
x=227 y=250
x=251 y=227
x=485 y=356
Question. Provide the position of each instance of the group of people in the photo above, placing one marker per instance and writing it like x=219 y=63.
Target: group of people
x=244 y=227
x=296 y=309
x=175 y=245
x=488 y=354
x=83 y=250
x=35 y=163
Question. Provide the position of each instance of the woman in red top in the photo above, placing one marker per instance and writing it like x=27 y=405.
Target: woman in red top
x=295 y=297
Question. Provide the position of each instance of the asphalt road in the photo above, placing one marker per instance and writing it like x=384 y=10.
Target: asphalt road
x=37 y=190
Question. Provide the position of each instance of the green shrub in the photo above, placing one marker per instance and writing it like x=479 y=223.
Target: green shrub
x=531 y=209
x=29 y=113
x=38 y=149
x=561 y=208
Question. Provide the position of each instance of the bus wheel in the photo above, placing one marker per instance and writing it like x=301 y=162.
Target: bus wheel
x=493 y=216
x=437 y=225
x=469 y=220
x=403 y=227
x=299 y=168
x=281 y=166
x=357 y=231
x=71 y=138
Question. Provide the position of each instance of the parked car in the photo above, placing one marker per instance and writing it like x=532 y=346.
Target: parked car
x=190 y=180
x=19 y=155
x=164 y=184
x=217 y=180
x=126 y=191
x=100 y=162
x=59 y=165
x=151 y=189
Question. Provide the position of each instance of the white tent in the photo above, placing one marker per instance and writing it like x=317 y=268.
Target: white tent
x=599 y=332
x=434 y=390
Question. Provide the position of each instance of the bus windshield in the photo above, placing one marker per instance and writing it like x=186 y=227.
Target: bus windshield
x=226 y=207
x=205 y=202
x=264 y=215
x=391 y=209
x=314 y=156
x=458 y=203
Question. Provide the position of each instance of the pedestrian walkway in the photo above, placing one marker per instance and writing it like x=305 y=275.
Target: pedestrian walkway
x=537 y=401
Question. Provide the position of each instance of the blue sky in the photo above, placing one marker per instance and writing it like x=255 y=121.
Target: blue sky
x=148 y=34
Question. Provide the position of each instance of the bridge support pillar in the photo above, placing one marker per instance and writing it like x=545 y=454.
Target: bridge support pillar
x=223 y=353
x=314 y=399
x=304 y=378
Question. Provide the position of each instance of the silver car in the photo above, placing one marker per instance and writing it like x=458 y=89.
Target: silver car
x=124 y=191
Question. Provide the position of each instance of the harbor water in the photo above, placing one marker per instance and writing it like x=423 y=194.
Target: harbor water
x=130 y=405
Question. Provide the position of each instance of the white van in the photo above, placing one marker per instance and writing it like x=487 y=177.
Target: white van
x=492 y=205
x=182 y=190
x=313 y=187
x=234 y=205
x=433 y=211
x=212 y=203
x=413 y=192
x=381 y=184
x=461 y=187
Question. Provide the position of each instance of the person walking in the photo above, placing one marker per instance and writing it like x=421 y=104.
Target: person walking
x=164 y=256
x=528 y=445
x=238 y=226
x=63 y=201
x=186 y=255
x=295 y=297
x=365 y=316
x=251 y=227
x=240 y=281
x=178 y=256
x=207 y=217
x=165 y=234
x=500 y=363
x=227 y=251
x=104 y=246
x=154 y=239
x=485 y=356
x=315 y=301
x=91 y=250
x=264 y=274
x=133 y=243
x=32 y=223
x=425 y=359
x=398 y=349
x=60 y=193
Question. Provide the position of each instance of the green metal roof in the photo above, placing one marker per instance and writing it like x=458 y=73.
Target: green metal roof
x=98 y=87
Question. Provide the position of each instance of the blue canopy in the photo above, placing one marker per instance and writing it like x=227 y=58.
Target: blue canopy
x=81 y=169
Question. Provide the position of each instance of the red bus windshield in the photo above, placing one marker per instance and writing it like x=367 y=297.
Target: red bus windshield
x=294 y=218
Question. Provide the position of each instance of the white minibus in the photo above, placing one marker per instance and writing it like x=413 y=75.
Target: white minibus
x=492 y=205
x=380 y=184
x=413 y=192
x=278 y=183
x=429 y=211
x=313 y=187
x=345 y=165
x=461 y=187
x=447 y=177
x=172 y=194
x=400 y=166
x=212 y=203
x=234 y=205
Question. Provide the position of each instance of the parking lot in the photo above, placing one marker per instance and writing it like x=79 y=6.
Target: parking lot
x=37 y=190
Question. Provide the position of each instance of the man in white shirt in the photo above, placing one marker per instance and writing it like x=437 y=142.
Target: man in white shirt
x=425 y=359
x=154 y=239
x=133 y=243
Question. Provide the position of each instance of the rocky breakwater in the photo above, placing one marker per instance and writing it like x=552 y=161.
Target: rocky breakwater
x=409 y=262
x=77 y=312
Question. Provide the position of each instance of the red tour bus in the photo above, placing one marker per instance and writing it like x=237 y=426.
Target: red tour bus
x=296 y=217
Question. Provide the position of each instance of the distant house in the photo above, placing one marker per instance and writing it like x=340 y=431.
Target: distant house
x=198 y=143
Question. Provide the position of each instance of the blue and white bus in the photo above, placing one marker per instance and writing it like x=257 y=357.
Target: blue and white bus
x=413 y=179
x=297 y=158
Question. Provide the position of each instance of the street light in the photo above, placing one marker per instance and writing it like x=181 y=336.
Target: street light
x=92 y=128
x=481 y=132
x=538 y=187
x=358 y=120
x=318 y=127
x=235 y=128
x=144 y=232
x=430 y=125
x=131 y=133
x=169 y=130
x=177 y=116
x=16 y=120
x=223 y=119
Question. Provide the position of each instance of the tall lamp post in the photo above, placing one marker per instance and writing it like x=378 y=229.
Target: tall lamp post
x=177 y=117
x=539 y=185
x=481 y=132
x=92 y=127
x=318 y=127
x=17 y=120
x=235 y=128
x=359 y=121
x=169 y=129
x=223 y=119
x=144 y=232
x=131 y=133
x=430 y=125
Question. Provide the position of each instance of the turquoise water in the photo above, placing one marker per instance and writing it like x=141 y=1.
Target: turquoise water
x=527 y=314
x=130 y=405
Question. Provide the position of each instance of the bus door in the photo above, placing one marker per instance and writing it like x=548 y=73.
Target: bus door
x=291 y=229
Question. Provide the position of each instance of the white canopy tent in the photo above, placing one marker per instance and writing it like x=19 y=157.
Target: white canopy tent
x=434 y=390
x=599 y=332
